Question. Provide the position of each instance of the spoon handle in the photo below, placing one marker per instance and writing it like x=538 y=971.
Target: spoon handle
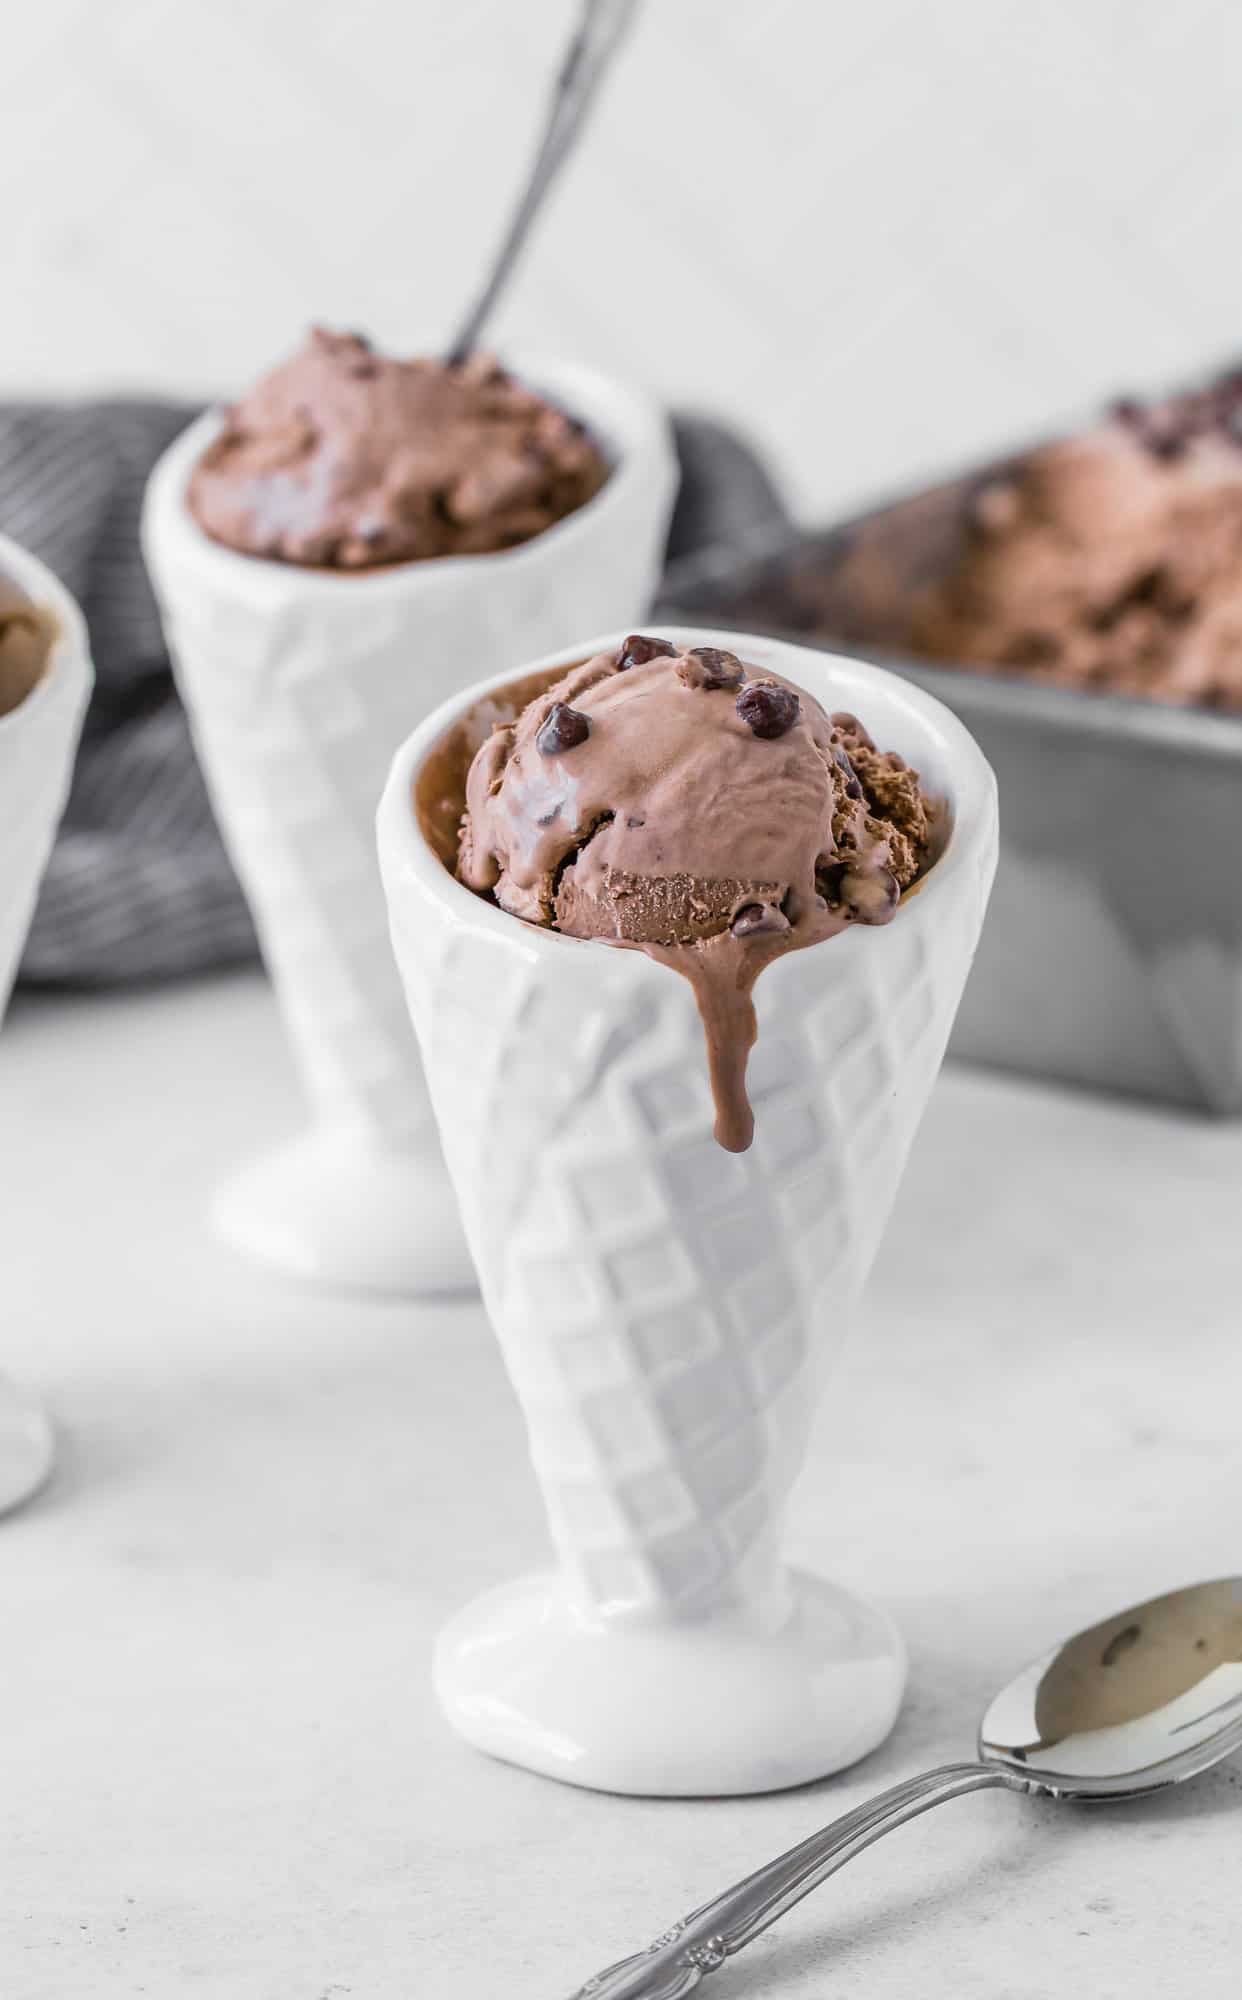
x=702 y=1941
x=600 y=30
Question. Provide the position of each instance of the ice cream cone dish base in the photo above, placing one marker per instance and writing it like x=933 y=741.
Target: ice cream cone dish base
x=669 y=1311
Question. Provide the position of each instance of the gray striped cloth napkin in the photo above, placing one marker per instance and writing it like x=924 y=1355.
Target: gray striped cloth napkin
x=139 y=885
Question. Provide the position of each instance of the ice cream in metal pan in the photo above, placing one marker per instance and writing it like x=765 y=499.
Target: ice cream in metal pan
x=1108 y=561
x=1093 y=586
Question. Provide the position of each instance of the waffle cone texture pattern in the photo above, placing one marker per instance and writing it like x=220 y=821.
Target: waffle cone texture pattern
x=668 y=1311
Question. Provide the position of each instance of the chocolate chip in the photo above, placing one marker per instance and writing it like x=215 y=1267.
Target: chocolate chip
x=1166 y=430
x=829 y=876
x=716 y=668
x=564 y=728
x=869 y=894
x=758 y=920
x=638 y=649
x=364 y=368
x=853 y=790
x=768 y=710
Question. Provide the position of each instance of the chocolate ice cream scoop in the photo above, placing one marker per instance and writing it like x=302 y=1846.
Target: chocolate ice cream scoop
x=709 y=813
x=345 y=458
x=1111 y=560
x=26 y=635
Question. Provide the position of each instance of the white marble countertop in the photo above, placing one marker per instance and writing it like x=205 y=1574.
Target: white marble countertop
x=221 y=1771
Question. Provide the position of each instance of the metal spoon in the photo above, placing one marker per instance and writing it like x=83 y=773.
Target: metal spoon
x=1131 y=1706
x=601 y=26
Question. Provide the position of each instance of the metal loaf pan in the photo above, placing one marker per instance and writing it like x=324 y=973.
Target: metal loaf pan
x=1112 y=952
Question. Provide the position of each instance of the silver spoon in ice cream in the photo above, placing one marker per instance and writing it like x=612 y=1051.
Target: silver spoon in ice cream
x=601 y=27
x=1147 y=1699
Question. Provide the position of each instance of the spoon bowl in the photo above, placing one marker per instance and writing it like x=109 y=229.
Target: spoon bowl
x=1141 y=1701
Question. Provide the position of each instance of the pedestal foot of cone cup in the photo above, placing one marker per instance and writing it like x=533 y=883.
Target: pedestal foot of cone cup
x=709 y=1708
x=339 y=1210
x=25 y=1446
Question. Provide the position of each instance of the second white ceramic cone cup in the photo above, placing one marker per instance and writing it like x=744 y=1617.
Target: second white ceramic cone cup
x=38 y=737
x=299 y=685
x=668 y=1310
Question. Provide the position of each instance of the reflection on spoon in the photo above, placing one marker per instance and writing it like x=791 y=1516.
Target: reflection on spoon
x=1128 y=1707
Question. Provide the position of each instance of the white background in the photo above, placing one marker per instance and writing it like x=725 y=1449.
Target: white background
x=882 y=234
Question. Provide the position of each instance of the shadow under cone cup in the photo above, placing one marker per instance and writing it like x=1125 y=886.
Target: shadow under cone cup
x=300 y=683
x=38 y=737
x=668 y=1312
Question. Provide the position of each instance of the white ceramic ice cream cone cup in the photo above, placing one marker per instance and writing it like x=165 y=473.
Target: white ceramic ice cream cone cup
x=300 y=684
x=668 y=1311
x=38 y=737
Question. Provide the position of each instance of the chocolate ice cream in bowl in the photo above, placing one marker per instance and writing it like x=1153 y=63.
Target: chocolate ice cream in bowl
x=683 y=919
x=354 y=541
x=45 y=680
